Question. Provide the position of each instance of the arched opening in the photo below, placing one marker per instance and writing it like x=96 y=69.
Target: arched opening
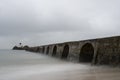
x=87 y=53
x=43 y=49
x=54 y=51
x=47 y=50
x=65 y=52
x=37 y=49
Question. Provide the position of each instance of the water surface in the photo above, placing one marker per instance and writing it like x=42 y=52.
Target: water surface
x=22 y=65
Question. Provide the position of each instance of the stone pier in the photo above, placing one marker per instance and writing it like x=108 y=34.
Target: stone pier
x=95 y=51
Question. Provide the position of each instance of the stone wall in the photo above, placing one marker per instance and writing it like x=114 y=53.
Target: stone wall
x=96 y=51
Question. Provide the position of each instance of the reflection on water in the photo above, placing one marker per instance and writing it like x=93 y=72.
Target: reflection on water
x=21 y=65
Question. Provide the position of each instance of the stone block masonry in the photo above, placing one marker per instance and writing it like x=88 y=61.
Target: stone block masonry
x=95 y=51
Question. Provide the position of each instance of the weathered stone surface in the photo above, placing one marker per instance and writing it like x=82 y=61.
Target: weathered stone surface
x=96 y=51
x=26 y=47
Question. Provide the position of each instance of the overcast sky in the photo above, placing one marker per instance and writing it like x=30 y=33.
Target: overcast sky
x=41 y=22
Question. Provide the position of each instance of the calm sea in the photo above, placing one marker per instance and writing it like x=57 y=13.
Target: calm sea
x=22 y=65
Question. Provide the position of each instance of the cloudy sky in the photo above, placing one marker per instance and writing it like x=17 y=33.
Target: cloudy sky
x=40 y=22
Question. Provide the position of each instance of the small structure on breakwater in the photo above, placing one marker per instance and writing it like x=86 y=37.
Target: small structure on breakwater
x=20 y=47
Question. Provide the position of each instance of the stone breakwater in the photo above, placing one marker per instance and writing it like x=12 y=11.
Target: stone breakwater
x=95 y=51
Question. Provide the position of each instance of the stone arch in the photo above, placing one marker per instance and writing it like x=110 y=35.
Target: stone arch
x=47 y=52
x=86 y=53
x=54 y=51
x=43 y=49
x=37 y=49
x=65 y=52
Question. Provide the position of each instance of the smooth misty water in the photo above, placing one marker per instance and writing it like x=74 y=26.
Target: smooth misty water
x=21 y=65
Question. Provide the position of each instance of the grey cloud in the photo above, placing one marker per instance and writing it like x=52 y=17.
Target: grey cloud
x=36 y=22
